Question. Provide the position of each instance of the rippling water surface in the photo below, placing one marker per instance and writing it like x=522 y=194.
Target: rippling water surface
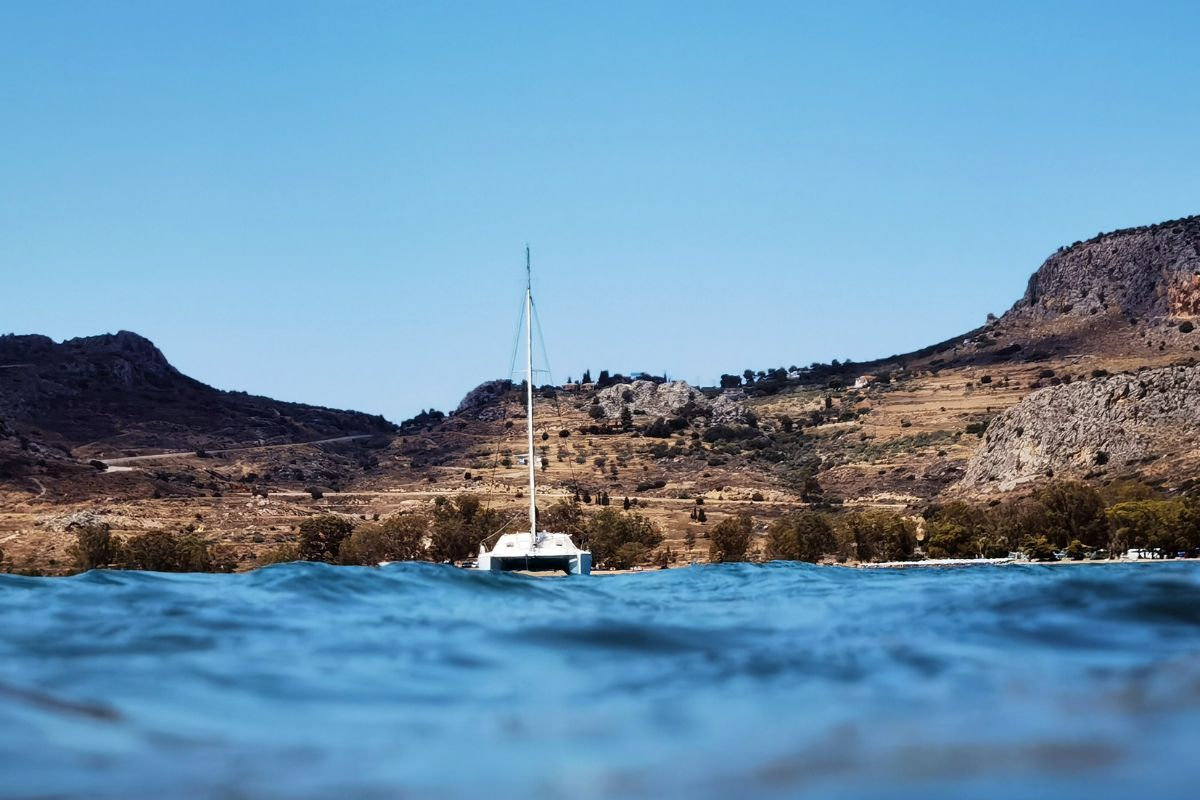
x=417 y=680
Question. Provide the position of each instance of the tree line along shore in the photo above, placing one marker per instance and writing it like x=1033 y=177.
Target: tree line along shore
x=1061 y=520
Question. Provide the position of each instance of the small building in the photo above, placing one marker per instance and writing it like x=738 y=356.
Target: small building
x=863 y=381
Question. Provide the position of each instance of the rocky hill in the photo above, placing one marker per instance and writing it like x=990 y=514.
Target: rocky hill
x=1141 y=273
x=1091 y=374
x=116 y=394
x=1099 y=428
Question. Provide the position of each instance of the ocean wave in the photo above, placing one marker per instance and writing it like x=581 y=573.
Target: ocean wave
x=756 y=680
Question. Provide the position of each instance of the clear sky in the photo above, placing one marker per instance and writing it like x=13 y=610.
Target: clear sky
x=328 y=202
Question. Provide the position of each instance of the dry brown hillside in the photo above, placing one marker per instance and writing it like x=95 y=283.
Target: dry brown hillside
x=896 y=432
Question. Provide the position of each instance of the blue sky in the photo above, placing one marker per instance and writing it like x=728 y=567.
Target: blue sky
x=328 y=202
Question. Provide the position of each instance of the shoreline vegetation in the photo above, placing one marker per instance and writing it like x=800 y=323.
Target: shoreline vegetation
x=1061 y=521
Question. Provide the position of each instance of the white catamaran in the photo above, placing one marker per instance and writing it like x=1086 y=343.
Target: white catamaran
x=533 y=550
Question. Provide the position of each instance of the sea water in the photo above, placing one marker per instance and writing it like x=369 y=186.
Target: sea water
x=733 y=681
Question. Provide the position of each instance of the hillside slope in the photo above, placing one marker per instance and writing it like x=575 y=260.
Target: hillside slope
x=114 y=394
x=902 y=432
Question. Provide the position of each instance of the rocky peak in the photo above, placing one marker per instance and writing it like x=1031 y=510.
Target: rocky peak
x=482 y=402
x=1147 y=272
x=129 y=353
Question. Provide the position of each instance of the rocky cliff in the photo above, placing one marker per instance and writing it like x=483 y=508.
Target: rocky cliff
x=1146 y=272
x=1107 y=425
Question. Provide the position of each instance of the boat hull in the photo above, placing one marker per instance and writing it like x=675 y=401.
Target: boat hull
x=576 y=564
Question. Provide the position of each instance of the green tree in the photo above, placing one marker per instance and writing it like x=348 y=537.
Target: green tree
x=565 y=516
x=321 y=537
x=628 y=555
x=167 y=551
x=1073 y=511
x=609 y=529
x=459 y=526
x=94 y=547
x=803 y=536
x=882 y=536
x=956 y=530
x=397 y=538
x=1168 y=526
x=1011 y=522
x=730 y=539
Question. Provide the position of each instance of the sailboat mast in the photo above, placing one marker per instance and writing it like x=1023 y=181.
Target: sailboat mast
x=529 y=397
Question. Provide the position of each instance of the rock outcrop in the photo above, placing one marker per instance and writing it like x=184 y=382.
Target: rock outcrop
x=482 y=402
x=1101 y=425
x=655 y=399
x=1142 y=273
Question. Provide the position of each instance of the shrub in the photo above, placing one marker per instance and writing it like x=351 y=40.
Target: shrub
x=167 y=551
x=720 y=433
x=94 y=547
x=1186 y=326
x=1038 y=548
x=1123 y=491
x=730 y=539
x=283 y=554
x=659 y=429
x=316 y=493
x=321 y=537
